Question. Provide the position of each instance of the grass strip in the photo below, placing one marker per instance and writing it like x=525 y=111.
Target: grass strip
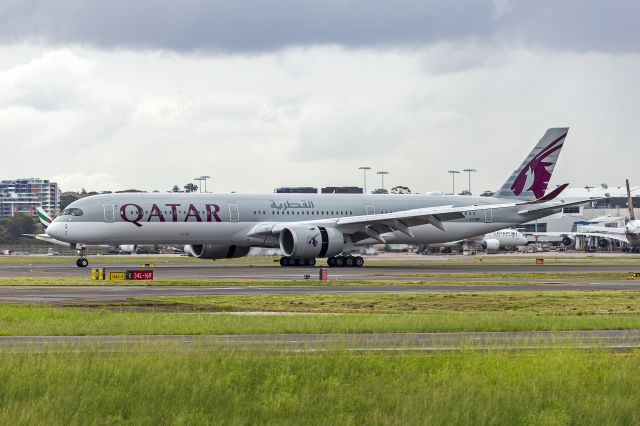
x=24 y=320
x=555 y=303
x=550 y=387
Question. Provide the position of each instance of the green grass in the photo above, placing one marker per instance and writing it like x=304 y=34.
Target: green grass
x=538 y=388
x=87 y=281
x=555 y=303
x=355 y=313
x=501 y=276
x=403 y=279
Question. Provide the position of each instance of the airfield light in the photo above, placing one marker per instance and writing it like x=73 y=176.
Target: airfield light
x=364 y=172
x=453 y=177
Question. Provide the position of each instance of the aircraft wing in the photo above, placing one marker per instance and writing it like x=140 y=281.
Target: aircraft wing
x=373 y=225
x=604 y=230
x=47 y=239
x=613 y=236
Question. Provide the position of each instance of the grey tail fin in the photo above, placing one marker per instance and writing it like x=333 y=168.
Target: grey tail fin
x=632 y=215
x=530 y=180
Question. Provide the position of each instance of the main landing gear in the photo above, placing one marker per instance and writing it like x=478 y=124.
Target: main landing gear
x=82 y=262
x=348 y=261
x=337 y=261
x=290 y=261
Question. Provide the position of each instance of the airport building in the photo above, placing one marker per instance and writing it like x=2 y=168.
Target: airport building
x=296 y=190
x=611 y=209
x=23 y=196
x=342 y=190
x=325 y=190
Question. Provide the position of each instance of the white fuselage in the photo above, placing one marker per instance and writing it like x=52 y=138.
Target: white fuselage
x=233 y=218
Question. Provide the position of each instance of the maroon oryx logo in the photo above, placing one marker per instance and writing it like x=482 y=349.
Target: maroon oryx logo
x=314 y=240
x=536 y=170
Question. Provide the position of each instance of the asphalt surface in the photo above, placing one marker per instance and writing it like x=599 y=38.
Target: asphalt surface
x=439 y=273
x=596 y=339
x=65 y=267
x=79 y=294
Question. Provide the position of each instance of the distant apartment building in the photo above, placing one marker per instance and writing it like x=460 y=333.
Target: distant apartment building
x=296 y=190
x=23 y=196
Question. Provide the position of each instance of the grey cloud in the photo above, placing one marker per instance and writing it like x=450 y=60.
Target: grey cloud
x=257 y=26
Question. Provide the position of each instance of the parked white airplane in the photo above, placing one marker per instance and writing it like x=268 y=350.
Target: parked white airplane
x=493 y=241
x=217 y=226
x=629 y=234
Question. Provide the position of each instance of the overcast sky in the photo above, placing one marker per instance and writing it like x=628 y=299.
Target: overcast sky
x=109 y=95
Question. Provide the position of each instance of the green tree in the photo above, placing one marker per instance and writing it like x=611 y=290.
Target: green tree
x=400 y=190
x=18 y=225
x=190 y=187
x=65 y=200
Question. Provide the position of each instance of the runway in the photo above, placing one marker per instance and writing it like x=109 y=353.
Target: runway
x=81 y=294
x=429 y=342
x=219 y=270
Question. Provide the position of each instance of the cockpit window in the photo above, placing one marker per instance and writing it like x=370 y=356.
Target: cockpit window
x=71 y=212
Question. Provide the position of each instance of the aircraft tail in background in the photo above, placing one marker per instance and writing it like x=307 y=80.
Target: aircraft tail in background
x=45 y=219
x=530 y=180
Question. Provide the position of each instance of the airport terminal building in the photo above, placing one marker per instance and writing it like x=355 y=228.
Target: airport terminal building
x=23 y=196
x=611 y=210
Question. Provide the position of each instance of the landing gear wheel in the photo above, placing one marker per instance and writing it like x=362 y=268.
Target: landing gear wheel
x=331 y=261
x=359 y=261
x=283 y=261
x=339 y=261
x=349 y=261
x=82 y=262
x=291 y=261
x=301 y=262
x=311 y=262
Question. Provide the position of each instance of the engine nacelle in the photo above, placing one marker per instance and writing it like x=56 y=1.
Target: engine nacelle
x=216 y=251
x=311 y=241
x=491 y=245
x=569 y=241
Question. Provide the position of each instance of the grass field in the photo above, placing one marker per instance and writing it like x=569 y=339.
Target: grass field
x=339 y=313
x=538 y=388
x=149 y=385
x=556 y=303
x=402 y=279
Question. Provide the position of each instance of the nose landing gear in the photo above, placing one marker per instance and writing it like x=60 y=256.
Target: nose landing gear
x=82 y=262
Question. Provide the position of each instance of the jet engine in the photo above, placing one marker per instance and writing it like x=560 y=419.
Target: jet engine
x=569 y=241
x=311 y=241
x=491 y=245
x=216 y=251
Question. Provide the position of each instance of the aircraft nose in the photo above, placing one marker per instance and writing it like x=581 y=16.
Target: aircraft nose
x=55 y=230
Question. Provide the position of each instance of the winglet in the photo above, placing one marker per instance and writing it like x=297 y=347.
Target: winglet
x=553 y=194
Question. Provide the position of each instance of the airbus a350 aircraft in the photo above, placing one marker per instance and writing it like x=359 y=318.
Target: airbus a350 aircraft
x=215 y=226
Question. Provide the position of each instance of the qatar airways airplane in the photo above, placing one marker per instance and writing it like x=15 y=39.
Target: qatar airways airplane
x=216 y=226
